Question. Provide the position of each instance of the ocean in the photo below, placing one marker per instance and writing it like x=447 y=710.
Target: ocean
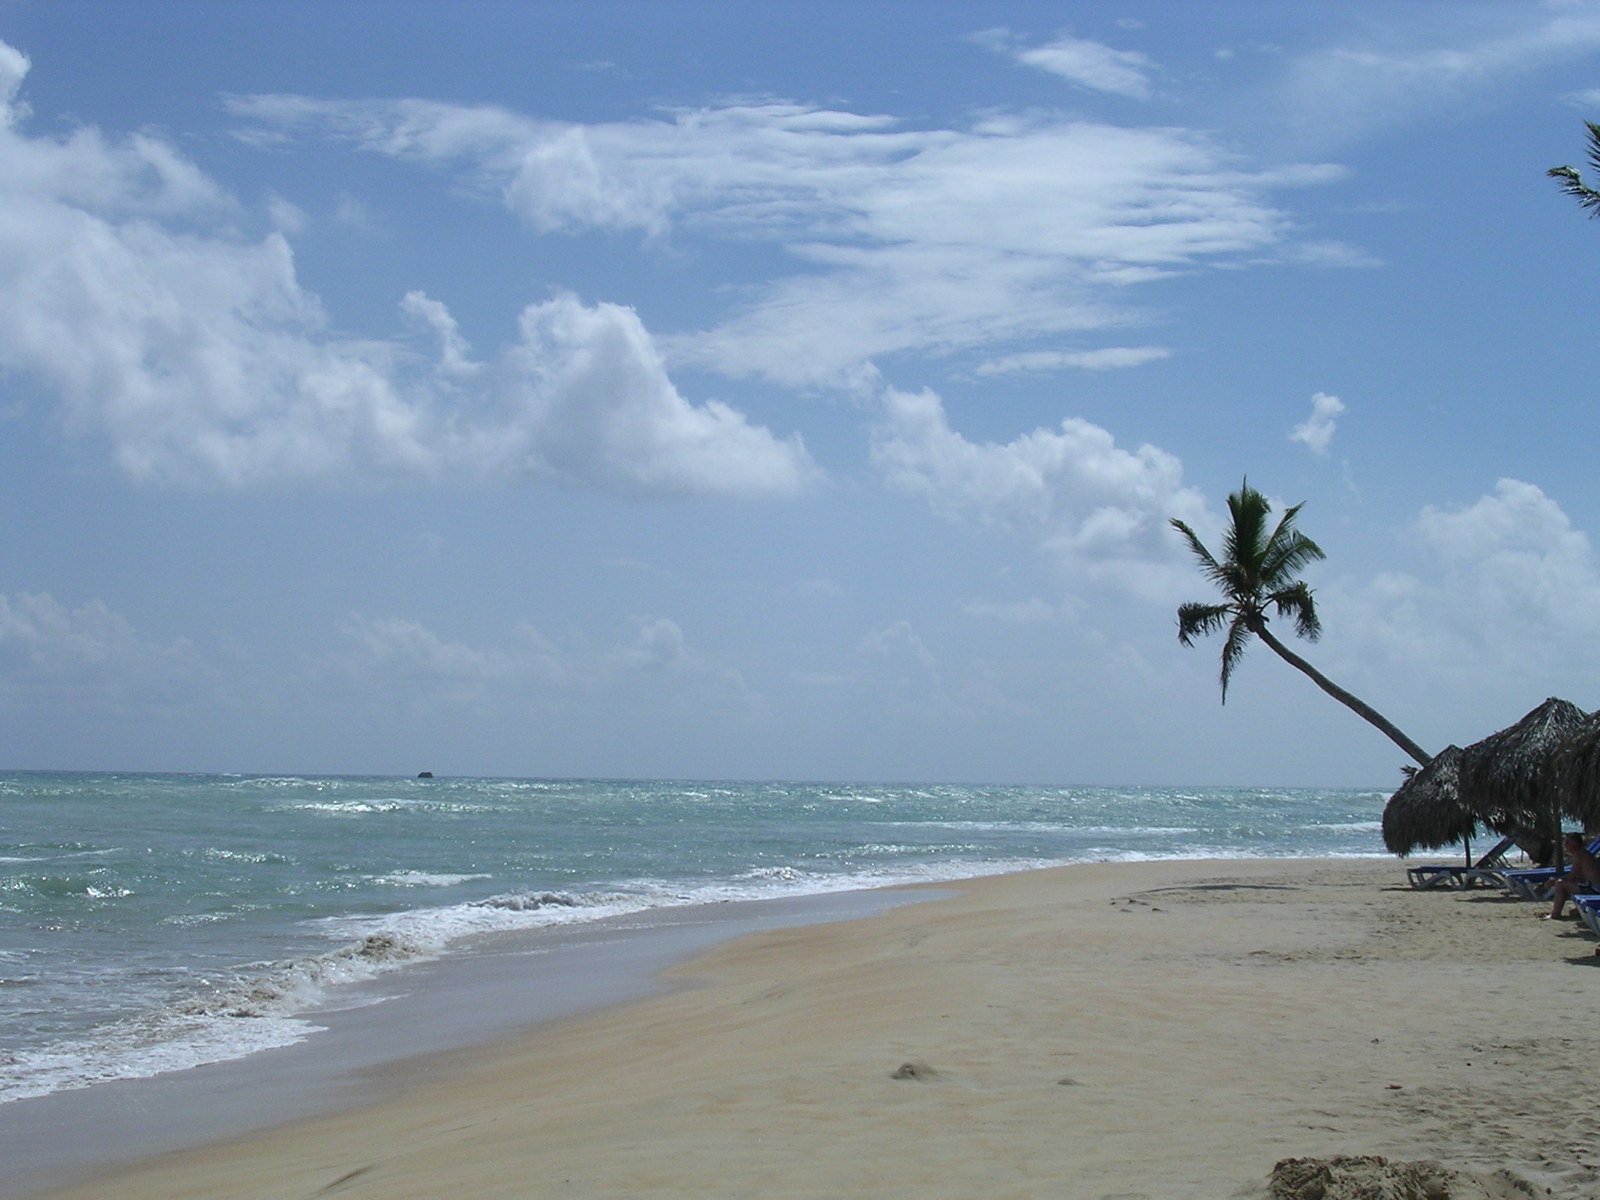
x=152 y=923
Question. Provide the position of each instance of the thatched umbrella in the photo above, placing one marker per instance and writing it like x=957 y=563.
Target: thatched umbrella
x=1577 y=774
x=1508 y=779
x=1427 y=812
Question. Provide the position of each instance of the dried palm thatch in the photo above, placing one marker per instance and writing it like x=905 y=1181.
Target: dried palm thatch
x=1426 y=812
x=1508 y=779
x=1577 y=774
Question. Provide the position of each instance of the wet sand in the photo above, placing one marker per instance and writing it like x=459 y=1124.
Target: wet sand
x=1157 y=1030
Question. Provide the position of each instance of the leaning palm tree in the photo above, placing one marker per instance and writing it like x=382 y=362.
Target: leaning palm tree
x=1257 y=573
x=1572 y=183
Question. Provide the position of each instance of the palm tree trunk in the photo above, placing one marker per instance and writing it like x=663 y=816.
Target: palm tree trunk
x=1360 y=708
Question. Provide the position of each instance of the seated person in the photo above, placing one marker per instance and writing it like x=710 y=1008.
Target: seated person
x=1581 y=878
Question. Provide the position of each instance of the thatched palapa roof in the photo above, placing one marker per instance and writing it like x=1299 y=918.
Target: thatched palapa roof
x=1577 y=773
x=1508 y=779
x=1427 y=812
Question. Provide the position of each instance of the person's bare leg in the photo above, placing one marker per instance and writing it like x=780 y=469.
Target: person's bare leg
x=1559 y=894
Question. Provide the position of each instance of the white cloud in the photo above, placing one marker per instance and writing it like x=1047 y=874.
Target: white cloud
x=1013 y=612
x=92 y=659
x=410 y=649
x=899 y=641
x=1404 y=68
x=1108 y=358
x=401 y=656
x=1316 y=431
x=591 y=401
x=1098 y=509
x=904 y=240
x=1517 y=555
x=287 y=217
x=1504 y=597
x=659 y=645
x=455 y=355
x=199 y=357
x=14 y=65
x=1092 y=65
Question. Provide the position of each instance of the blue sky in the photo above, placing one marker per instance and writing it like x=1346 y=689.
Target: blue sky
x=784 y=391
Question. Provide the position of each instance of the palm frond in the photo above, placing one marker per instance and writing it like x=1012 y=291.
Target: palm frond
x=1572 y=183
x=1245 y=541
x=1296 y=601
x=1209 y=566
x=1198 y=620
x=1288 y=551
x=1233 y=650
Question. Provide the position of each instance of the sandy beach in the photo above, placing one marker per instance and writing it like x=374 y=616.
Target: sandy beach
x=1156 y=1030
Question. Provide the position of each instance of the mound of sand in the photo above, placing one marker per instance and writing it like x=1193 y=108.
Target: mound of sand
x=1373 y=1177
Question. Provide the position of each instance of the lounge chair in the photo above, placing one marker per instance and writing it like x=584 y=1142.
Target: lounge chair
x=1534 y=883
x=1588 y=909
x=1531 y=884
x=1486 y=870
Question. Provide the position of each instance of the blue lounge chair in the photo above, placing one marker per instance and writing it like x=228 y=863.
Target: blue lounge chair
x=1588 y=912
x=1485 y=870
x=1534 y=883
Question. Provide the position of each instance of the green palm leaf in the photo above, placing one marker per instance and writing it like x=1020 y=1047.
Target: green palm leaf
x=1257 y=574
x=1572 y=183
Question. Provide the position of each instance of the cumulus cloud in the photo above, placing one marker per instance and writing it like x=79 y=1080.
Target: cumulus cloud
x=1504 y=590
x=1316 y=431
x=590 y=399
x=92 y=657
x=899 y=641
x=903 y=239
x=1097 y=508
x=436 y=670
x=199 y=357
x=1517 y=554
x=659 y=645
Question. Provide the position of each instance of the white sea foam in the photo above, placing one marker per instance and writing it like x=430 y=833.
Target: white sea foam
x=226 y=1020
x=139 y=1049
x=388 y=804
x=219 y=854
x=424 y=879
x=433 y=930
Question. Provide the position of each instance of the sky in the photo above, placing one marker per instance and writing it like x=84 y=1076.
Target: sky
x=691 y=389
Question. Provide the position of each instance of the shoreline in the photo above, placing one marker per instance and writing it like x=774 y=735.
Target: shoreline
x=1166 y=1028
x=373 y=1033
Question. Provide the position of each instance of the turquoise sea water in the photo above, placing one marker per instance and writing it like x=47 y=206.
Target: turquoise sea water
x=150 y=923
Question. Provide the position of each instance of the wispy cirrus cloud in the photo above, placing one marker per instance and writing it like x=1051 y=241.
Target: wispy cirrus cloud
x=1088 y=64
x=1413 y=63
x=1106 y=358
x=902 y=240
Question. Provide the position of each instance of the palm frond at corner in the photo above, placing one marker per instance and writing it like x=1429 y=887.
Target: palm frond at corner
x=1572 y=183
